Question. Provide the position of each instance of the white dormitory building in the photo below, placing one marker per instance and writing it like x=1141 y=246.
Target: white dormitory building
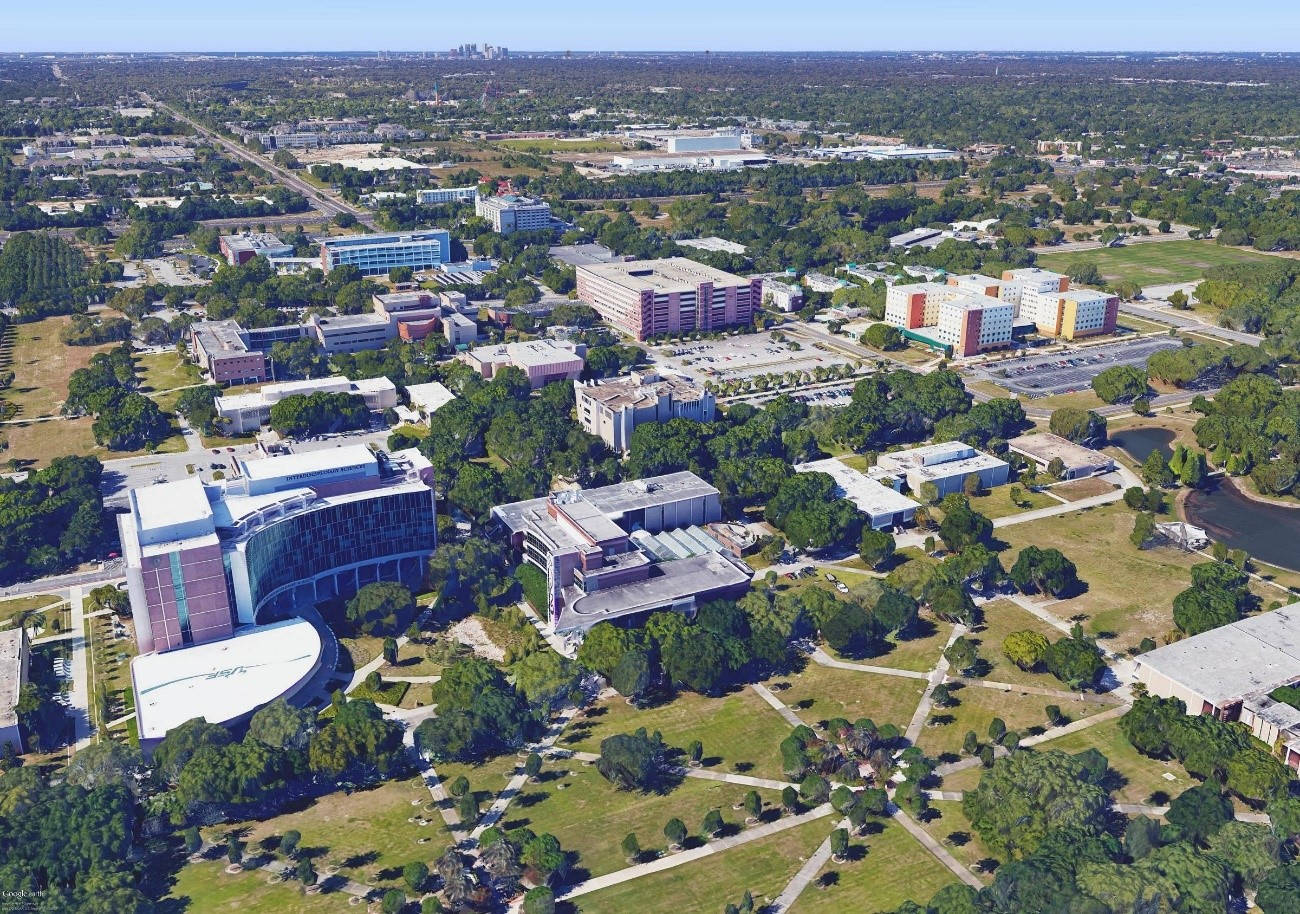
x=612 y=408
x=249 y=412
x=435 y=195
x=510 y=213
x=946 y=464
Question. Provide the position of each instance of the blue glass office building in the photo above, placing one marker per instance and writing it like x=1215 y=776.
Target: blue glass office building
x=374 y=255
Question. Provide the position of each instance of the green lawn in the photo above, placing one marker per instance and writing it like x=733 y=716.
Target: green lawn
x=576 y=804
x=204 y=888
x=366 y=832
x=953 y=830
x=740 y=731
x=161 y=371
x=1001 y=618
x=1138 y=776
x=1153 y=263
x=486 y=780
x=42 y=364
x=707 y=885
x=820 y=693
x=894 y=869
x=12 y=607
x=997 y=502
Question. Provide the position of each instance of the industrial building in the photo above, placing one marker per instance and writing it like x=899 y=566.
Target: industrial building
x=239 y=249
x=202 y=559
x=377 y=254
x=645 y=298
x=946 y=465
x=512 y=213
x=613 y=408
x=543 y=361
x=248 y=412
x=1077 y=460
x=873 y=492
x=437 y=195
x=718 y=142
x=14 y=655
x=1230 y=671
x=625 y=550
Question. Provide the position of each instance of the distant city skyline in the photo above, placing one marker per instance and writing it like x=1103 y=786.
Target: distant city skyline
x=410 y=25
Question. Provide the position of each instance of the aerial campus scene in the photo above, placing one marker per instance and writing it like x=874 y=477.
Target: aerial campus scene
x=663 y=460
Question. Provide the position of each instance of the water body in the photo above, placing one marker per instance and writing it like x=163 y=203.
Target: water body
x=1270 y=533
x=1139 y=442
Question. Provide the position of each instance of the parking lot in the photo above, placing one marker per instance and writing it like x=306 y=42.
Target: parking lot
x=736 y=357
x=1071 y=370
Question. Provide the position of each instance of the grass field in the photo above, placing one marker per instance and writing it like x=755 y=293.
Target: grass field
x=740 y=732
x=1139 y=776
x=554 y=146
x=978 y=706
x=953 y=830
x=1153 y=263
x=820 y=693
x=12 y=607
x=589 y=815
x=706 y=886
x=161 y=371
x=997 y=502
x=1077 y=489
x=42 y=364
x=1001 y=618
x=894 y=869
x=204 y=888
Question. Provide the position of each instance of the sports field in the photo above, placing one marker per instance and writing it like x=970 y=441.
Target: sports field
x=1153 y=263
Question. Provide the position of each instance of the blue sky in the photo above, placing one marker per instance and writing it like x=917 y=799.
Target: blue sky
x=723 y=25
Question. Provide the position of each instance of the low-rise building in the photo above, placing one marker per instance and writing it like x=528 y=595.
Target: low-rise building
x=241 y=248
x=249 y=412
x=352 y=332
x=946 y=465
x=459 y=329
x=820 y=282
x=1230 y=672
x=436 y=195
x=427 y=399
x=624 y=551
x=1076 y=460
x=543 y=361
x=645 y=298
x=782 y=296
x=13 y=676
x=512 y=213
x=612 y=408
x=229 y=354
x=422 y=249
x=874 y=495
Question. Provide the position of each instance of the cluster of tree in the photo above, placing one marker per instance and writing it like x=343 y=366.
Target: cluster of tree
x=1250 y=428
x=899 y=406
x=87 y=331
x=807 y=509
x=480 y=715
x=1045 y=571
x=53 y=519
x=1120 y=383
x=1078 y=425
x=1201 y=364
x=380 y=608
x=838 y=750
x=107 y=388
x=1211 y=749
x=319 y=413
x=42 y=274
x=1184 y=466
x=1219 y=594
x=199 y=407
x=1259 y=298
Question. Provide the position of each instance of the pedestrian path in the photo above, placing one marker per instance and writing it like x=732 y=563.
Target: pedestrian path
x=819 y=656
x=79 y=695
x=807 y=873
x=777 y=705
x=927 y=699
x=938 y=850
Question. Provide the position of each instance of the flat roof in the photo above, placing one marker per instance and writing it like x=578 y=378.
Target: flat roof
x=581 y=255
x=223 y=681
x=351 y=455
x=12 y=644
x=430 y=397
x=532 y=352
x=166 y=504
x=1255 y=655
x=1045 y=447
x=669 y=274
x=638 y=389
x=668 y=583
x=873 y=497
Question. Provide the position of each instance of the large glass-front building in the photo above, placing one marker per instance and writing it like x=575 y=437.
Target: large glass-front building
x=281 y=532
x=376 y=254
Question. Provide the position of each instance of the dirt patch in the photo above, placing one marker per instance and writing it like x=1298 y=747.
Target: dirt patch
x=1076 y=489
x=470 y=633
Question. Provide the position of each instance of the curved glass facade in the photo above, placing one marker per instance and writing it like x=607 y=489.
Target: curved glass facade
x=304 y=546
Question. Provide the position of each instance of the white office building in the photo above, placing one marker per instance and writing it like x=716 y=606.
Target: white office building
x=377 y=254
x=612 y=408
x=946 y=464
x=511 y=213
x=459 y=329
x=249 y=412
x=436 y=195
x=872 y=492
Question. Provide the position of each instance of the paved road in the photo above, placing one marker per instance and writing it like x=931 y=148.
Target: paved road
x=327 y=203
x=1185 y=321
x=303 y=218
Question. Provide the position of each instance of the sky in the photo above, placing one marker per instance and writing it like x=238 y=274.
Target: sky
x=721 y=25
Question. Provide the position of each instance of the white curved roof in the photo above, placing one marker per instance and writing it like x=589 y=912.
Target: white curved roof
x=222 y=681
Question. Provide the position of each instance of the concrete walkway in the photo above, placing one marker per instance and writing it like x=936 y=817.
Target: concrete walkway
x=938 y=850
x=1062 y=694
x=672 y=861
x=1052 y=733
x=807 y=873
x=415 y=680
x=1142 y=809
x=927 y=699
x=820 y=656
x=706 y=774
x=79 y=695
x=777 y=704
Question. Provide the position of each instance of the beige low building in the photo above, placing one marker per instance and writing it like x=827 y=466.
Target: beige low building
x=13 y=676
x=612 y=408
x=1045 y=447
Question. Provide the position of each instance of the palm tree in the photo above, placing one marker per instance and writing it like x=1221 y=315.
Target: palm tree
x=457 y=883
x=500 y=859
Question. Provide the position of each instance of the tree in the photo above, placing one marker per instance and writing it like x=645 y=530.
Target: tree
x=633 y=674
x=282 y=726
x=1200 y=812
x=961 y=653
x=289 y=842
x=1074 y=660
x=381 y=607
x=1279 y=891
x=459 y=787
x=1156 y=471
x=631 y=761
x=1251 y=850
x=532 y=766
x=540 y=900
x=839 y=843
x=675 y=832
x=712 y=824
x=1026 y=649
x=393 y=901
x=193 y=840
x=234 y=849
x=814 y=789
x=1077 y=425
x=631 y=848
x=876 y=547
x=545 y=678
x=1046 y=571
x=1144 y=530
x=753 y=804
x=884 y=337
x=962 y=526
x=1120 y=383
